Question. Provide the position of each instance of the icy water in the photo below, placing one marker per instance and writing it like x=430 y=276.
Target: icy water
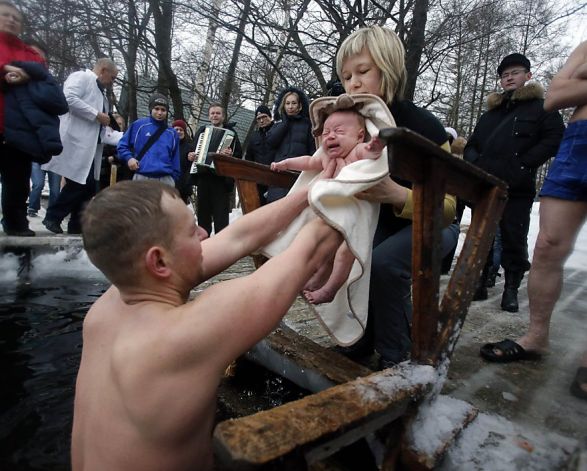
x=41 y=317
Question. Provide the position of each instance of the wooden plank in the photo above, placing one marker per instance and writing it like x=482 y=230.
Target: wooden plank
x=463 y=282
x=426 y=259
x=240 y=169
x=317 y=426
x=410 y=153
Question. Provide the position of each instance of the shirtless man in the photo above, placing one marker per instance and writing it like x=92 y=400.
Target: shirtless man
x=343 y=141
x=151 y=361
x=563 y=209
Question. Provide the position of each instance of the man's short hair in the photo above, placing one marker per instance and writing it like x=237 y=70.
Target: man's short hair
x=122 y=222
x=215 y=104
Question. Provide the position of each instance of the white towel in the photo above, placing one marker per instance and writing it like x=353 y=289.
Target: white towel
x=345 y=318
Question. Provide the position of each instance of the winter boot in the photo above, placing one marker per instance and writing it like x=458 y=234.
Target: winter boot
x=481 y=291
x=509 y=300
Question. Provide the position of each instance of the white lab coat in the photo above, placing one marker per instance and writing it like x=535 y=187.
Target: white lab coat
x=79 y=129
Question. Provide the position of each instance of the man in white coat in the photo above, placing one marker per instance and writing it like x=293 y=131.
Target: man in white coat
x=82 y=131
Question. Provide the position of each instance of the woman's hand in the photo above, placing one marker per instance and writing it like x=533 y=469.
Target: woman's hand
x=15 y=75
x=386 y=191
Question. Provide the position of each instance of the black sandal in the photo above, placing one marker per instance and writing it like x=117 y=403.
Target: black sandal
x=507 y=351
x=580 y=380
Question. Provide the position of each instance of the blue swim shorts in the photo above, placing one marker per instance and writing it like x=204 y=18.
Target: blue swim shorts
x=567 y=175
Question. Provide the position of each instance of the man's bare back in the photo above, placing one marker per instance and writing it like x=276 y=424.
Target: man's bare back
x=151 y=363
x=146 y=397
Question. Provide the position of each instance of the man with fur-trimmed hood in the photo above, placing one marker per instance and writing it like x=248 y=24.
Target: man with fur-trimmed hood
x=511 y=140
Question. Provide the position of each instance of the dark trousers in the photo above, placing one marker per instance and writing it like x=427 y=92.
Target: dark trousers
x=213 y=202
x=390 y=303
x=72 y=200
x=513 y=227
x=15 y=171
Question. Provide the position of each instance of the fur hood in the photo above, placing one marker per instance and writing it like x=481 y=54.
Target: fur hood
x=303 y=97
x=531 y=91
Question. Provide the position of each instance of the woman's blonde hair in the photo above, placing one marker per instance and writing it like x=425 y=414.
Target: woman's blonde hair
x=282 y=104
x=387 y=52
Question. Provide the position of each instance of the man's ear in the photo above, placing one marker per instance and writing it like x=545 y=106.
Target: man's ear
x=156 y=263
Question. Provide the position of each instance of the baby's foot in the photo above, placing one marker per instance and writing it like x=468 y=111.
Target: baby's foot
x=319 y=296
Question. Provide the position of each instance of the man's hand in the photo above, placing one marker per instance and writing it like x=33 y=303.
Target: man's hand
x=15 y=75
x=191 y=156
x=133 y=164
x=226 y=151
x=103 y=119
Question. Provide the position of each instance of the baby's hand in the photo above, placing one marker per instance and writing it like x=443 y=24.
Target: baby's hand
x=278 y=166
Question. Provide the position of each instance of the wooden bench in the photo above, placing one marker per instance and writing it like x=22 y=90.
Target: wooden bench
x=297 y=434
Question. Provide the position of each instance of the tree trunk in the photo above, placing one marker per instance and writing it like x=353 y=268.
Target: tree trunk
x=415 y=45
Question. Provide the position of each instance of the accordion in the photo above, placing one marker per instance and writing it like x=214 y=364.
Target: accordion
x=212 y=140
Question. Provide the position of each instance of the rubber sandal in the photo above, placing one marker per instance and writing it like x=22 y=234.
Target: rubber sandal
x=509 y=351
x=580 y=380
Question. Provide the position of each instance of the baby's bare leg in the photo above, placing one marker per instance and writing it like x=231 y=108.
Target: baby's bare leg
x=343 y=262
x=320 y=277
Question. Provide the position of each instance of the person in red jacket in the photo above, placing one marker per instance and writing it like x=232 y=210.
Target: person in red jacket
x=15 y=165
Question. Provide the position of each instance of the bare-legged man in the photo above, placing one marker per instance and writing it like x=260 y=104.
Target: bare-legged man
x=563 y=210
x=151 y=361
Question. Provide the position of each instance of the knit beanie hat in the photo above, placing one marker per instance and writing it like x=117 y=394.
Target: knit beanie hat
x=262 y=109
x=158 y=100
x=179 y=123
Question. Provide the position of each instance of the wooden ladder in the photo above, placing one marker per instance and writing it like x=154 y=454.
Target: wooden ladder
x=297 y=434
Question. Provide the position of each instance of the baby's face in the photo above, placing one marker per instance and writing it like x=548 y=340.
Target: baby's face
x=342 y=132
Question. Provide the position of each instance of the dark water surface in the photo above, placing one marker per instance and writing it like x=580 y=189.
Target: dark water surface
x=40 y=350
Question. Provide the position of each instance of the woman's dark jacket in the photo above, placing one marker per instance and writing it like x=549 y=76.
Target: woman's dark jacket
x=515 y=137
x=291 y=136
x=32 y=112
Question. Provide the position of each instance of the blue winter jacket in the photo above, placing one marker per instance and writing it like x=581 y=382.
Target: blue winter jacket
x=162 y=158
x=32 y=113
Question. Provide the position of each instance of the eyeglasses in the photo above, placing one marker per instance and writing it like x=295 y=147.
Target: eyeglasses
x=512 y=73
x=262 y=117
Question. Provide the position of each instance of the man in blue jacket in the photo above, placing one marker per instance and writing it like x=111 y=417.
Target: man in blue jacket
x=150 y=147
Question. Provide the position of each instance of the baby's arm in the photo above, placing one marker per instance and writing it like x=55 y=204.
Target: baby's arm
x=305 y=162
x=366 y=150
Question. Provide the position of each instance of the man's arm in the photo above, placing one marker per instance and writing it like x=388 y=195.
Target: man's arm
x=238 y=313
x=569 y=86
x=250 y=232
x=123 y=149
